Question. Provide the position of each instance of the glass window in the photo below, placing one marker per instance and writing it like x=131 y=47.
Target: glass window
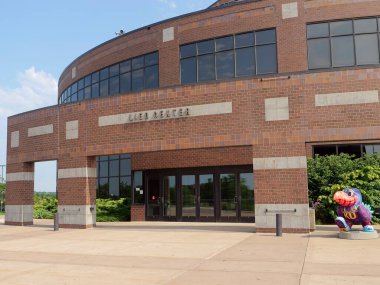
x=138 y=186
x=318 y=30
x=227 y=195
x=151 y=76
x=81 y=95
x=74 y=88
x=266 y=59
x=114 y=85
x=151 y=59
x=245 y=61
x=103 y=169
x=323 y=150
x=319 y=53
x=225 y=64
x=206 y=195
x=87 y=80
x=87 y=92
x=95 y=90
x=125 y=187
x=206 y=67
x=206 y=47
x=247 y=195
x=114 y=70
x=137 y=62
x=74 y=97
x=265 y=37
x=104 y=88
x=125 y=66
x=189 y=70
x=188 y=50
x=365 y=26
x=114 y=168
x=114 y=186
x=342 y=51
x=225 y=43
x=125 y=167
x=137 y=80
x=188 y=196
x=95 y=77
x=367 y=49
x=80 y=84
x=354 y=149
x=244 y=40
x=104 y=73
x=368 y=149
x=341 y=28
x=103 y=188
x=125 y=82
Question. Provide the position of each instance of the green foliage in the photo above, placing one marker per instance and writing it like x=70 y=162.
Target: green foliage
x=45 y=205
x=329 y=174
x=110 y=210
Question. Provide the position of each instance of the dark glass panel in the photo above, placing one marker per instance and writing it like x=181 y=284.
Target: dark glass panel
x=319 y=53
x=125 y=167
x=137 y=63
x=80 y=84
x=125 y=187
x=368 y=149
x=318 y=30
x=74 y=97
x=87 y=80
x=342 y=51
x=225 y=43
x=151 y=76
x=87 y=92
x=103 y=169
x=266 y=59
x=104 y=73
x=114 y=70
x=80 y=95
x=188 y=196
x=323 y=150
x=189 y=70
x=206 y=67
x=95 y=77
x=68 y=91
x=206 y=47
x=103 y=189
x=265 y=37
x=225 y=64
x=206 y=192
x=113 y=157
x=153 y=197
x=228 y=195
x=95 y=90
x=365 y=26
x=151 y=59
x=74 y=88
x=341 y=28
x=367 y=49
x=244 y=40
x=125 y=66
x=137 y=80
x=103 y=158
x=104 y=88
x=376 y=148
x=138 y=192
x=245 y=61
x=169 y=190
x=114 y=85
x=354 y=149
x=114 y=168
x=114 y=186
x=188 y=50
x=125 y=156
x=125 y=82
x=247 y=195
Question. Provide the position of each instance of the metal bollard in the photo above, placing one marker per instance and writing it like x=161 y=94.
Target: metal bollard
x=279 y=225
x=56 y=222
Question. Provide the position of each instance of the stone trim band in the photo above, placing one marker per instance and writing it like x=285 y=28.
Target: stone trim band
x=85 y=172
x=292 y=162
x=20 y=176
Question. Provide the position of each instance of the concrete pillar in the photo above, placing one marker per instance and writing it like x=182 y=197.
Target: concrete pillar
x=19 y=196
x=77 y=192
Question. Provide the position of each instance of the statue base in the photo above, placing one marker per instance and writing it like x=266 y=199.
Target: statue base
x=358 y=235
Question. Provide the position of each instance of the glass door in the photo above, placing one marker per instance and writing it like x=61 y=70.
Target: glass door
x=169 y=202
x=247 y=203
x=228 y=197
x=206 y=197
x=188 y=190
x=153 y=198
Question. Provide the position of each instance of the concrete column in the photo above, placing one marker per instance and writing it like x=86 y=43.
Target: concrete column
x=77 y=192
x=20 y=194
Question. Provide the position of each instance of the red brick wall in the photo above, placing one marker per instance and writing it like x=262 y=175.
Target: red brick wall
x=137 y=213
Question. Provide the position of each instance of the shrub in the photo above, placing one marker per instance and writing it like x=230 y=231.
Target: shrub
x=111 y=210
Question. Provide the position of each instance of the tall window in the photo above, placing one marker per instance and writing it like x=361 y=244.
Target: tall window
x=343 y=43
x=228 y=57
x=130 y=75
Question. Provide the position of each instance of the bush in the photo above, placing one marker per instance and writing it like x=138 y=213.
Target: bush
x=328 y=174
x=45 y=205
x=110 y=210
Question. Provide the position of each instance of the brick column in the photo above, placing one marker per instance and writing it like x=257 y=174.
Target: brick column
x=19 y=196
x=77 y=192
x=281 y=187
x=137 y=212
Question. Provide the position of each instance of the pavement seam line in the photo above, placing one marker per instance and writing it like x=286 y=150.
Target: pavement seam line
x=304 y=260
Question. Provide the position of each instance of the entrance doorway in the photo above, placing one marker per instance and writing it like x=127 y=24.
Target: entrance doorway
x=205 y=195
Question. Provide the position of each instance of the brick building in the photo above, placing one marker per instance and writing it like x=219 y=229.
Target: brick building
x=209 y=116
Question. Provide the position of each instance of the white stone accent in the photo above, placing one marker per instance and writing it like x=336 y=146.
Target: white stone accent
x=40 y=130
x=72 y=130
x=77 y=214
x=168 y=34
x=15 y=139
x=277 y=109
x=77 y=173
x=73 y=72
x=165 y=114
x=292 y=162
x=290 y=219
x=19 y=213
x=347 y=98
x=20 y=176
x=290 y=10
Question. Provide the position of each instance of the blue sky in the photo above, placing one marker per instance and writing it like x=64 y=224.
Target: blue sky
x=40 y=38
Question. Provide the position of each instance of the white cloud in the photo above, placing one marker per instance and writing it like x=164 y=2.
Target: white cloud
x=170 y=3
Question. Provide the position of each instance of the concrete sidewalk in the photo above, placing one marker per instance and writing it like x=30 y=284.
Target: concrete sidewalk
x=182 y=253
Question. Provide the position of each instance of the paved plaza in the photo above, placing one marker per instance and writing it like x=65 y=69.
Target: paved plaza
x=182 y=253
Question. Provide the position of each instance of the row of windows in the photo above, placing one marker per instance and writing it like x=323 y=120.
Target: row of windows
x=358 y=150
x=228 y=57
x=134 y=74
x=343 y=43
